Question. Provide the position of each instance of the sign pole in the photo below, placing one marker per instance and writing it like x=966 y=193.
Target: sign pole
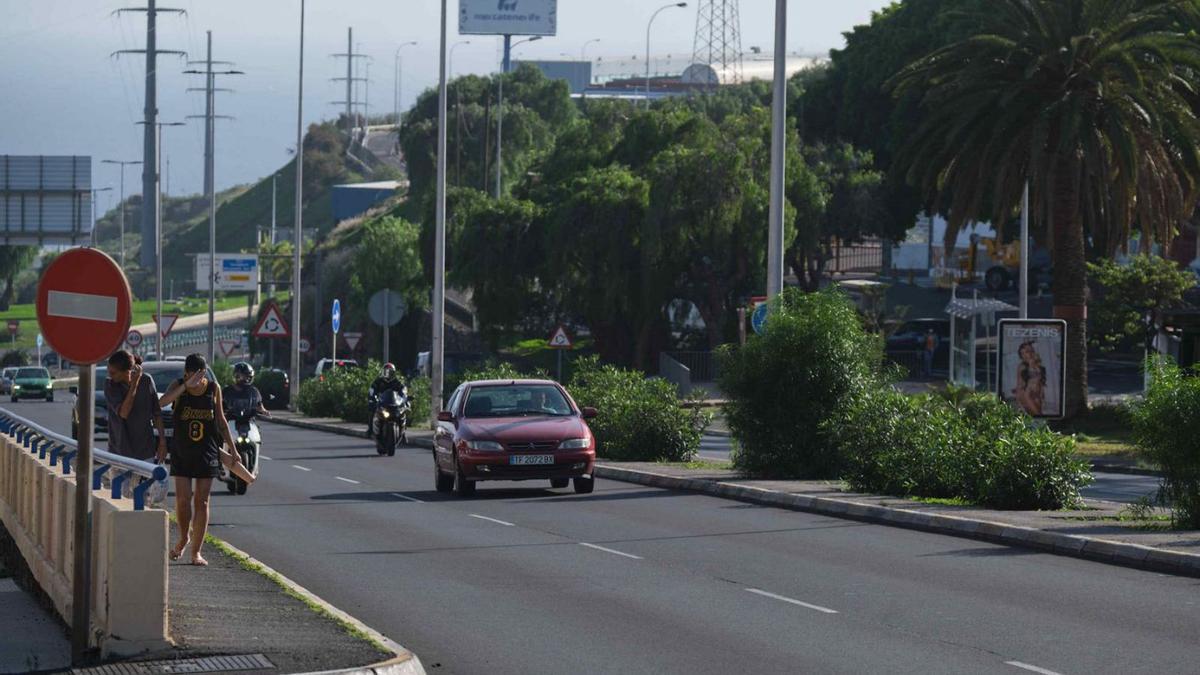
x=82 y=587
x=387 y=334
x=560 y=366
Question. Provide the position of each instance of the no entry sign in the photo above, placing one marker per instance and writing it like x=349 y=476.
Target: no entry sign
x=84 y=305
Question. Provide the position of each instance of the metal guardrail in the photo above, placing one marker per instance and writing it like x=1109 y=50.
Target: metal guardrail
x=151 y=479
x=191 y=337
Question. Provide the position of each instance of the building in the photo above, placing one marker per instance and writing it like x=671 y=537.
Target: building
x=356 y=199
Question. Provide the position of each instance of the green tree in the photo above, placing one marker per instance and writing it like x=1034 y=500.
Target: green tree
x=13 y=261
x=1128 y=298
x=1091 y=101
x=387 y=256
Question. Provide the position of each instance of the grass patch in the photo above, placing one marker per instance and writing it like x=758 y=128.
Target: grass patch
x=707 y=464
x=942 y=501
x=251 y=566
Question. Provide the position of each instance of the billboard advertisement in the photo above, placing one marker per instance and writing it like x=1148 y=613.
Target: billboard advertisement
x=508 y=17
x=45 y=199
x=1033 y=367
x=235 y=272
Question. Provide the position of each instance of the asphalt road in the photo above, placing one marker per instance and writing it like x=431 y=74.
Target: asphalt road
x=523 y=579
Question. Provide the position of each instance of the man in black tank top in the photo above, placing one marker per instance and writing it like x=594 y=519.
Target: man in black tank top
x=201 y=433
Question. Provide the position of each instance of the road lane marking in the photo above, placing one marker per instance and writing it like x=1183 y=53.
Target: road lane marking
x=411 y=499
x=793 y=601
x=347 y=480
x=1032 y=669
x=302 y=468
x=265 y=457
x=499 y=522
x=612 y=551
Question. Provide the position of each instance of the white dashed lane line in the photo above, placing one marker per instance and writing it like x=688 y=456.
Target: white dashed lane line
x=411 y=499
x=1032 y=669
x=347 y=480
x=492 y=520
x=302 y=468
x=266 y=458
x=792 y=601
x=612 y=551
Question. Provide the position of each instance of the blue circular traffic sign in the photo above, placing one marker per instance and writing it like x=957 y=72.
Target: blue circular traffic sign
x=758 y=320
x=337 y=316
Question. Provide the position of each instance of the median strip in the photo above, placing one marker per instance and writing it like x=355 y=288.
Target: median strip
x=612 y=551
x=493 y=520
x=793 y=601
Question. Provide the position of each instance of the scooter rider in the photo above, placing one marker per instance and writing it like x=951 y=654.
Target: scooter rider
x=387 y=381
x=243 y=390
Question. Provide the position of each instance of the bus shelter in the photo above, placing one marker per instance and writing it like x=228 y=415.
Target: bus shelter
x=972 y=327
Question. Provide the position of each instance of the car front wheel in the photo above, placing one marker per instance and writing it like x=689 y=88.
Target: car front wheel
x=584 y=486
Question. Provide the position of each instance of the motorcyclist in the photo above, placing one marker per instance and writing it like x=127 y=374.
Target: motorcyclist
x=387 y=381
x=243 y=391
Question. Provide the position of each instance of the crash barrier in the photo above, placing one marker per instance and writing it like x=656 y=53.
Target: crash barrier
x=128 y=561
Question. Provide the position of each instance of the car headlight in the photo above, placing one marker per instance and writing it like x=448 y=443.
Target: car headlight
x=575 y=444
x=487 y=446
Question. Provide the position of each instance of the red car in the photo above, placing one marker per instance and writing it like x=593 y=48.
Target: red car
x=513 y=430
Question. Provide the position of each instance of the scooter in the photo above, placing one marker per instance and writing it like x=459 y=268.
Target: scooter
x=248 y=442
x=390 y=421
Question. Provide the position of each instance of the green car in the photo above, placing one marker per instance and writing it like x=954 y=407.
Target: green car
x=32 y=383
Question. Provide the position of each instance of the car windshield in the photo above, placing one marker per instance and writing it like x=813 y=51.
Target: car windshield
x=33 y=374
x=516 y=400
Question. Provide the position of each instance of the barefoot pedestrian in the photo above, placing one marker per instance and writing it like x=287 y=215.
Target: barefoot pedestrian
x=201 y=434
x=133 y=410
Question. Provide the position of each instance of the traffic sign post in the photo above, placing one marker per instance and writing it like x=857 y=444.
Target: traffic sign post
x=14 y=327
x=228 y=347
x=165 y=324
x=335 y=320
x=305 y=346
x=39 y=348
x=386 y=308
x=758 y=320
x=560 y=341
x=84 y=308
x=272 y=325
x=353 y=340
x=134 y=340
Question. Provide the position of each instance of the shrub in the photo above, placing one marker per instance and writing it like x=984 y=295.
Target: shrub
x=419 y=392
x=493 y=370
x=784 y=386
x=223 y=371
x=14 y=357
x=270 y=385
x=970 y=447
x=342 y=394
x=1166 y=425
x=640 y=418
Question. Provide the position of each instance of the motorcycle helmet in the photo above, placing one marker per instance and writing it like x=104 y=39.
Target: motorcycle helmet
x=389 y=371
x=243 y=373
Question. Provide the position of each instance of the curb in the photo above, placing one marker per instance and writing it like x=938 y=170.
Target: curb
x=403 y=663
x=317 y=426
x=1087 y=548
x=1123 y=468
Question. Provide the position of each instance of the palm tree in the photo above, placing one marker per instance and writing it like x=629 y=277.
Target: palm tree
x=1093 y=102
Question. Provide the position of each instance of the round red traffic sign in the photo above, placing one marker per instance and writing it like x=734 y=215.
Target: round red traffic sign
x=134 y=339
x=84 y=305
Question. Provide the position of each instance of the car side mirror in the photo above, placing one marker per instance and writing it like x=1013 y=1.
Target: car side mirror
x=446 y=416
x=589 y=413
x=73 y=389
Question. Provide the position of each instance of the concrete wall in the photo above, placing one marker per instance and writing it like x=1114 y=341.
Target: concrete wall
x=129 y=551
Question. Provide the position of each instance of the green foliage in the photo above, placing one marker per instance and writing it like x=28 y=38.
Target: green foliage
x=419 y=393
x=1166 y=425
x=14 y=357
x=342 y=394
x=494 y=370
x=973 y=448
x=13 y=261
x=1124 y=295
x=388 y=256
x=784 y=387
x=640 y=419
x=270 y=385
x=223 y=371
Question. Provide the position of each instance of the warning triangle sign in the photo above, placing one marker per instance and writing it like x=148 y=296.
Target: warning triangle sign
x=559 y=339
x=227 y=347
x=272 y=325
x=165 y=324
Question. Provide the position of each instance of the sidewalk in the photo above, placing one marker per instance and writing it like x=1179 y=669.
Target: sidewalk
x=236 y=615
x=1101 y=531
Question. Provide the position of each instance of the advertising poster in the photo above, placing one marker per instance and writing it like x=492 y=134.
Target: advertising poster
x=1032 y=365
x=508 y=17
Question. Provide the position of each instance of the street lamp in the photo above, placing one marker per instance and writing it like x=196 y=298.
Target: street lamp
x=450 y=68
x=500 y=113
x=399 y=79
x=583 y=49
x=123 y=164
x=294 y=382
x=648 y=25
x=436 y=348
x=778 y=146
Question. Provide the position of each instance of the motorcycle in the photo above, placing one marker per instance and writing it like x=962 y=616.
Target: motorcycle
x=390 y=421
x=248 y=442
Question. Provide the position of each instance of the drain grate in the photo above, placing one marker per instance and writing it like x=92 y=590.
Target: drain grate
x=211 y=664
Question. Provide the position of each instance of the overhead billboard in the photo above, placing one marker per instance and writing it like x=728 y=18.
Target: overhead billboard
x=1033 y=365
x=235 y=272
x=508 y=17
x=45 y=199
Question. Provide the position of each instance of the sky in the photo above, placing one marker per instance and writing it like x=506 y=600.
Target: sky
x=63 y=93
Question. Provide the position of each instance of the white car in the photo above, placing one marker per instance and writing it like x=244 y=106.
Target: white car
x=326 y=365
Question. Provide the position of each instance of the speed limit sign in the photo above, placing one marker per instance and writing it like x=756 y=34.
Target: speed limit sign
x=305 y=345
x=133 y=339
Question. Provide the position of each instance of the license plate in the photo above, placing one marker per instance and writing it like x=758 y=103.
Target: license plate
x=531 y=459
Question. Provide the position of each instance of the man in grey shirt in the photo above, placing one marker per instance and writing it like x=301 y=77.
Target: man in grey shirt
x=130 y=415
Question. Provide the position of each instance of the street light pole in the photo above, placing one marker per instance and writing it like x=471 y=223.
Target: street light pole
x=450 y=67
x=1024 y=280
x=509 y=46
x=399 y=82
x=95 y=238
x=778 y=146
x=156 y=198
x=121 y=214
x=294 y=383
x=583 y=49
x=648 y=25
x=439 y=246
